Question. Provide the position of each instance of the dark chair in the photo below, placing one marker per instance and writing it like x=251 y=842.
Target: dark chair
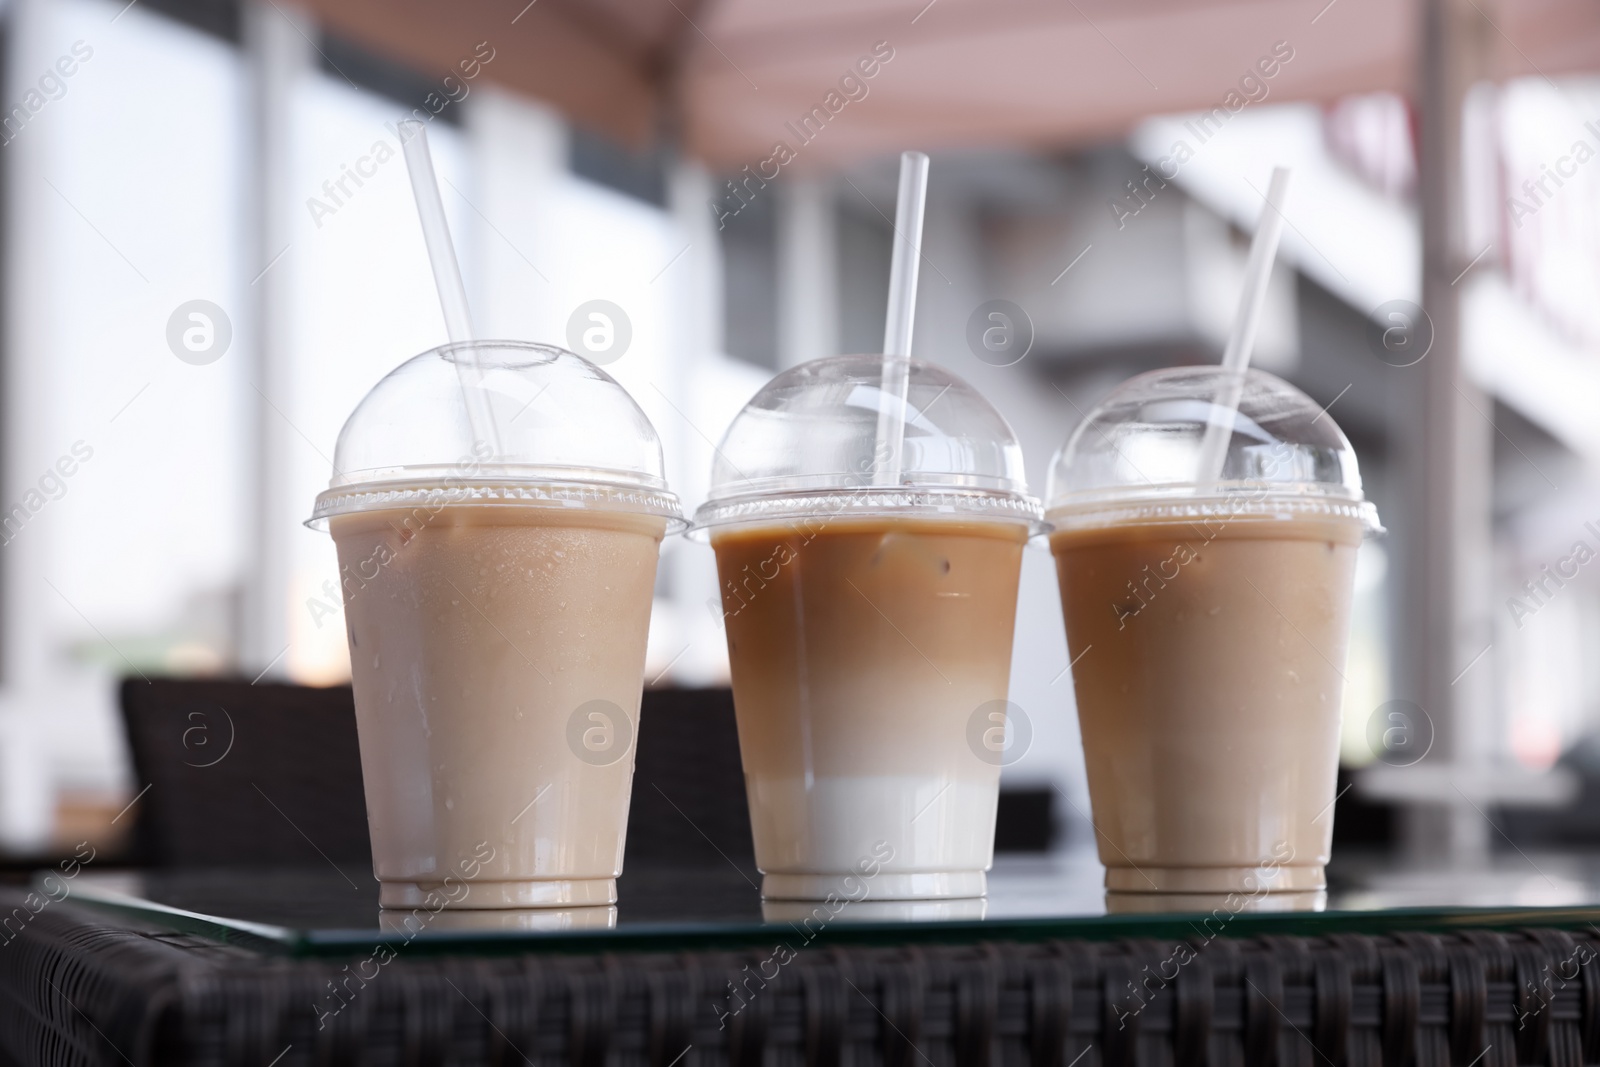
x=689 y=806
x=270 y=775
x=239 y=775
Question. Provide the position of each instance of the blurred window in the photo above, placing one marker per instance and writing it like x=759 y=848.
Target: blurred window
x=139 y=216
x=1374 y=134
x=1548 y=163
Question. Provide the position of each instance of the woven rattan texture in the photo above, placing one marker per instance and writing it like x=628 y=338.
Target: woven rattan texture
x=76 y=988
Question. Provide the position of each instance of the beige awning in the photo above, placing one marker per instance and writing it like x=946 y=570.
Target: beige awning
x=1047 y=73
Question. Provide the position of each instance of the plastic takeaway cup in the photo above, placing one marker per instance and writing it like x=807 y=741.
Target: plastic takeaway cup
x=869 y=616
x=497 y=602
x=1208 y=624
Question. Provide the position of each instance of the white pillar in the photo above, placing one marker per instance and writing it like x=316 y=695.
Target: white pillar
x=690 y=569
x=278 y=54
x=519 y=147
x=1450 y=592
x=28 y=662
x=690 y=193
x=27 y=642
x=808 y=271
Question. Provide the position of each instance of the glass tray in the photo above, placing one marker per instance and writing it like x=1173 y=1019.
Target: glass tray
x=335 y=912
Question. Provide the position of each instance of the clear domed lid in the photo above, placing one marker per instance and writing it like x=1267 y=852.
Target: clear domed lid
x=560 y=433
x=1138 y=453
x=813 y=440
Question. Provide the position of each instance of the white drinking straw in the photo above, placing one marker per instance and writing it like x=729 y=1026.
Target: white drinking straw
x=1241 y=342
x=909 y=205
x=447 y=277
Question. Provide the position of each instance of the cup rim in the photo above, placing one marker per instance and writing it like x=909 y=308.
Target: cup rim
x=566 y=495
x=934 y=504
x=1099 y=511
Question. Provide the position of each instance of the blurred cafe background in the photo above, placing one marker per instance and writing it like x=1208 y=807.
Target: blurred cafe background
x=210 y=253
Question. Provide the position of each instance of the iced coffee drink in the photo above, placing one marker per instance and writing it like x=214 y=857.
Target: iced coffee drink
x=1208 y=625
x=855 y=671
x=867 y=624
x=469 y=651
x=497 y=610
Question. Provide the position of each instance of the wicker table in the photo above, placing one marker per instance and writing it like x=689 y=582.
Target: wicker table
x=294 y=968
